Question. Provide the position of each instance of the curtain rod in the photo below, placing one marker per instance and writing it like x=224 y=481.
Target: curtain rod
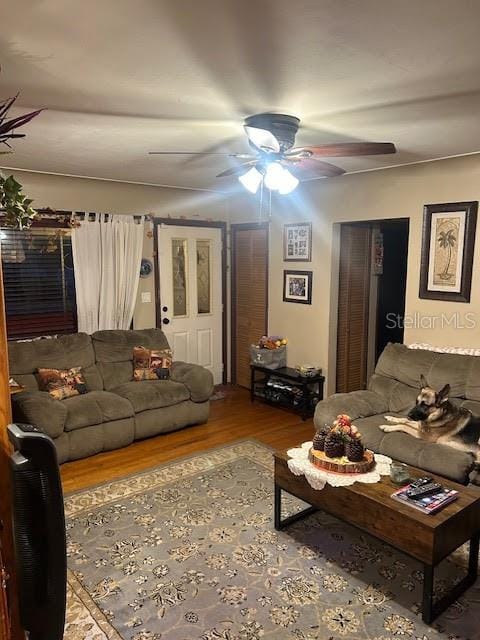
x=60 y=218
x=92 y=214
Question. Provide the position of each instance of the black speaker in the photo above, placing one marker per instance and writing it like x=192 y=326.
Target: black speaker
x=39 y=533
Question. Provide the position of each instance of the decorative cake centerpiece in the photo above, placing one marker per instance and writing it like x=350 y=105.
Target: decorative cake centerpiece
x=339 y=448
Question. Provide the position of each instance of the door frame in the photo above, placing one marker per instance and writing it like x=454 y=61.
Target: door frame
x=182 y=222
x=243 y=226
x=334 y=292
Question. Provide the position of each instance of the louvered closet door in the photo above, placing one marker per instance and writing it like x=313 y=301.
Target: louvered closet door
x=353 y=301
x=249 y=295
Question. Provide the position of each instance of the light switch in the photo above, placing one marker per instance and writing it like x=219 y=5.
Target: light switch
x=146 y=296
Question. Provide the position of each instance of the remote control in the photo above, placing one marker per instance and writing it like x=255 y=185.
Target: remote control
x=421 y=482
x=426 y=490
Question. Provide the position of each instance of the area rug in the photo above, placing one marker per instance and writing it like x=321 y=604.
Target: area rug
x=188 y=551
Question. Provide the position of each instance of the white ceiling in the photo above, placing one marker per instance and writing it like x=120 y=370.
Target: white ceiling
x=122 y=77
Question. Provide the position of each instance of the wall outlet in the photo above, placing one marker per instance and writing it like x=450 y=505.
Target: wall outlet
x=146 y=296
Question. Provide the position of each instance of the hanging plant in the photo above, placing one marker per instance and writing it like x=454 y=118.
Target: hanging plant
x=16 y=207
x=7 y=127
x=13 y=203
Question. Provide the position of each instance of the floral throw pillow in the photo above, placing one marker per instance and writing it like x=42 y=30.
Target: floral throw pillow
x=151 y=364
x=62 y=383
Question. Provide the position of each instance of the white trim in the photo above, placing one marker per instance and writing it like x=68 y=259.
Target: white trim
x=144 y=184
x=170 y=186
x=403 y=164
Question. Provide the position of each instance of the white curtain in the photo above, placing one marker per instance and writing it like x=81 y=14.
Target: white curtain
x=107 y=252
x=87 y=263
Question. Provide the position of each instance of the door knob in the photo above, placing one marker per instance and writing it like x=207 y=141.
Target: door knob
x=165 y=321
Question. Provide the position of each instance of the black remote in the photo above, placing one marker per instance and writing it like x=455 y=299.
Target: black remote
x=426 y=490
x=421 y=482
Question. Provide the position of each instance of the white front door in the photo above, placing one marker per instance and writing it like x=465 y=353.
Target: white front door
x=190 y=268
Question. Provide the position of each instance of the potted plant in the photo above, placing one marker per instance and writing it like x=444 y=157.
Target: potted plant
x=16 y=207
x=14 y=204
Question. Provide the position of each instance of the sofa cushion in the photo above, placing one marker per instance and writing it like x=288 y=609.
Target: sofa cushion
x=197 y=379
x=152 y=394
x=95 y=407
x=471 y=405
x=88 y=441
x=399 y=396
x=472 y=377
x=41 y=410
x=356 y=404
x=64 y=352
x=406 y=365
x=434 y=458
x=114 y=352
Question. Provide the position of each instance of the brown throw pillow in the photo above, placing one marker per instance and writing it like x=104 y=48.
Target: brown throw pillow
x=62 y=383
x=151 y=364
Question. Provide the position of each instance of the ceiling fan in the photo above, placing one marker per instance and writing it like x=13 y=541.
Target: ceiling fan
x=280 y=165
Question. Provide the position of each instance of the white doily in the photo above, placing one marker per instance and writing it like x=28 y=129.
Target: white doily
x=300 y=465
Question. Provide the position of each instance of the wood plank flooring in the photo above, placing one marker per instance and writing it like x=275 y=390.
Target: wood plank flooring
x=233 y=418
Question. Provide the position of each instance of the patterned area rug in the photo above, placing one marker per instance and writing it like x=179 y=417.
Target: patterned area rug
x=188 y=551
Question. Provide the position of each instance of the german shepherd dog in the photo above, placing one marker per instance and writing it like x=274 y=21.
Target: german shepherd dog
x=435 y=419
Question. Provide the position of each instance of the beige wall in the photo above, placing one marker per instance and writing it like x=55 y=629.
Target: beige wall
x=83 y=194
x=391 y=193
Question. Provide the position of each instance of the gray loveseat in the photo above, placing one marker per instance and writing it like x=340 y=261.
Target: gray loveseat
x=116 y=410
x=393 y=389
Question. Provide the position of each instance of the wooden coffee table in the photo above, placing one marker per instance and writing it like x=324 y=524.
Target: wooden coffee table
x=370 y=507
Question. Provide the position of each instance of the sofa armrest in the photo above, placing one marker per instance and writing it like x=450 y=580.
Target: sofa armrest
x=356 y=404
x=41 y=410
x=197 y=379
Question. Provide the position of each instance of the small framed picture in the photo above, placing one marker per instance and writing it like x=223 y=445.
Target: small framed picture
x=297 y=286
x=447 y=251
x=297 y=242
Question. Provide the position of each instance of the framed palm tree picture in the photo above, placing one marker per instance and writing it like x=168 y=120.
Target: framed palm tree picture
x=447 y=251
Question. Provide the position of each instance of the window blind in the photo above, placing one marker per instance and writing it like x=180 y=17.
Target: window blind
x=39 y=282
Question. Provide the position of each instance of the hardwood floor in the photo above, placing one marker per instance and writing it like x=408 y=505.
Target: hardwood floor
x=233 y=418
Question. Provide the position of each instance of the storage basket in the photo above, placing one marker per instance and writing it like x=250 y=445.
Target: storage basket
x=269 y=358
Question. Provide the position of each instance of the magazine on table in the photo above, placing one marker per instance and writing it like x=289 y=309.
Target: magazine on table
x=428 y=504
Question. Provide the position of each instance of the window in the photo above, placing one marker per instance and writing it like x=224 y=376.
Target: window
x=39 y=283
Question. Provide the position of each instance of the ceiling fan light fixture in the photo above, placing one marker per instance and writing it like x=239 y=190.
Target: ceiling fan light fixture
x=277 y=178
x=251 y=180
x=289 y=183
x=262 y=139
x=274 y=176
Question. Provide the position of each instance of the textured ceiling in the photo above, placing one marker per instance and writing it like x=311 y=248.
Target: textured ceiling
x=120 y=78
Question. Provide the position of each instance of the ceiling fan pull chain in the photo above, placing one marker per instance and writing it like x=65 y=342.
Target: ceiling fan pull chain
x=260 y=211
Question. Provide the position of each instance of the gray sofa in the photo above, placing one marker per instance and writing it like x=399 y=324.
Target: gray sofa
x=116 y=410
x=392 y=390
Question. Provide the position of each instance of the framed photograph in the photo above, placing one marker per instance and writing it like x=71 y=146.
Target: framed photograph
x=297 y=242
x=447 y=251
x=297 y=286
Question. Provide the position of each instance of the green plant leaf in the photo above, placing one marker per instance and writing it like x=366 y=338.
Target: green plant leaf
x=16 y=205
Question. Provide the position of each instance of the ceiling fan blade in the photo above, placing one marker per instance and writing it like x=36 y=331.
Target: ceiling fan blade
x=235 y=170
x=241 y=156
x=262 y=139
x=345 y=149
x=310 y=168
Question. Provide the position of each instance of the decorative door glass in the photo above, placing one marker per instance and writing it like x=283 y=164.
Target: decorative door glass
x=203 y=276
x=179 y=266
